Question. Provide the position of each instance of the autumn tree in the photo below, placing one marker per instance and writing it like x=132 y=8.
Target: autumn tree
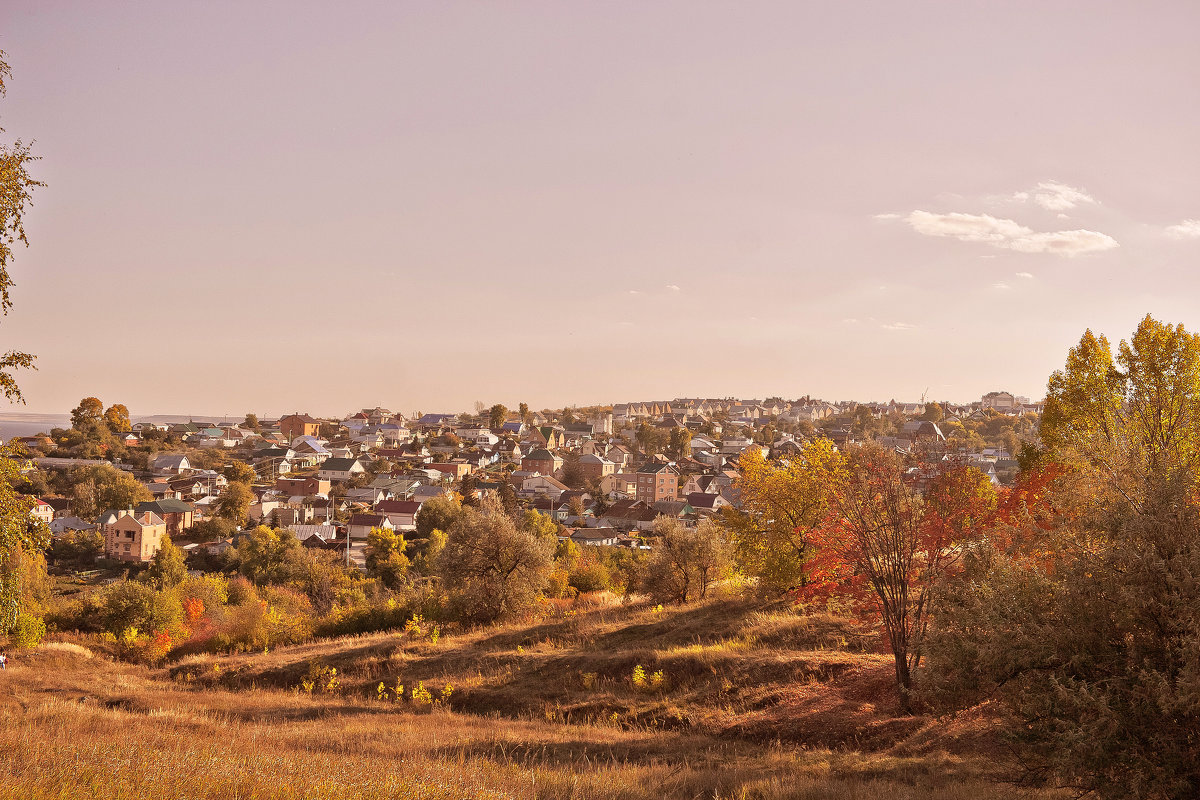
x=234 y=502
x=440 y=514
x=385 y=556
x=116 y=418
x=1128 y=423
x=523 y=410
x=251 y=422
x=782 y=504
x=16 y=196
x=686 y=563
x=22 y=539
x=491 y=568
x=497 y=416
x=88 y=418
x=899 y=530
x=240 y=472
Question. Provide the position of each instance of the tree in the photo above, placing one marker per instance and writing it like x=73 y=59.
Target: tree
x=88 y=417
x=890 y=546
x=523 y=410
x=933 y=412
x=167 y=569
x=234 y=502
x=21 y=539
x=497 y=416
x=263 y=556
x=678 y=441
x=508 y=497
x=116 y=417
x=490 y=568
x=572 y=472
x=252 y=422
x=440 y=514
x=16 y=193
x=1132 y=423
x=686 y=562
x=782 y=504
x=385 y=555
x=97 y=488
x=240 y=472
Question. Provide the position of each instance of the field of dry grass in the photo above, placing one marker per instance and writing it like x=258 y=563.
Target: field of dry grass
x=758 y=698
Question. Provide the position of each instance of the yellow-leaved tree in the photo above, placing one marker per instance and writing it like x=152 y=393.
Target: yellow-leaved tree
x=781 y=506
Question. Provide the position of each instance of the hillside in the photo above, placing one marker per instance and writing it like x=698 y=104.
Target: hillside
x=749 y=693
x=735 y=670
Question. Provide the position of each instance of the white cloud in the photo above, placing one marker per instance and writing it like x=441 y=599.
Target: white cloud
x=849 y=321
x=1008 y=235
x=1188 y=229
x=1001 y=286
x=1054 y=196
x=634 y=291
x=887 y=216
x=1025 y=275
x=673 y=287
x=897 y=326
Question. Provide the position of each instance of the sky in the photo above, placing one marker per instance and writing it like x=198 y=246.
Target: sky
x=274 y=207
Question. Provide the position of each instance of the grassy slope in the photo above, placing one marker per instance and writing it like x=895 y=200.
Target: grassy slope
x=738 y=676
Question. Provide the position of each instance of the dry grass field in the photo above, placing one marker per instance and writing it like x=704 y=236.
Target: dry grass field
x=754 y=703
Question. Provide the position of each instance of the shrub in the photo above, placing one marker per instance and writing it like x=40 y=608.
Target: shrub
x=27 y=632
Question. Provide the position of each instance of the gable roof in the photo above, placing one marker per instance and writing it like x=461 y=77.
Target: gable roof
x=338 y=464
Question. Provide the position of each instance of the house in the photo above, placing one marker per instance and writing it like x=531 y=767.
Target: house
x=594 y=467
x=628 y=515
x=133 y=536
x=294 y=425
x=706 y=502
x=65 y=525
x=361 y=524
x=542 y=486
x=623 y=484
x=340 y=469
x=453 y=469
x=175 y=514
x=402 y=513
x=1001 y=401
x=42 y=511
x=657 y=482
x=170 y=464
x=303 y=486
x=543 y=461
x=424 y=493
x=595 y=537
x=700 y=483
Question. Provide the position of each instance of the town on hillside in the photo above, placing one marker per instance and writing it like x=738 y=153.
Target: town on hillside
x=604 y=475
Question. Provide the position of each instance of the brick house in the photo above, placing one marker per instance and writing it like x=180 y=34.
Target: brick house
x=294 y=425
x=657 y=482
x=133 y=536
x=175 y=514
x=543 y=461
x=594 y=467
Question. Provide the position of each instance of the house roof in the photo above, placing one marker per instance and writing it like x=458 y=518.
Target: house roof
x=339 y=465
x=368 y=520
x=397 y=507
x=165 y=506
x=542 y=454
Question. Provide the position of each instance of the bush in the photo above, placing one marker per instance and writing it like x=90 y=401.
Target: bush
x=27 y=632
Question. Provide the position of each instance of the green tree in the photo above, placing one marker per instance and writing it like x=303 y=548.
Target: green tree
x=933 y=412
x=497 y=416
x=386 y=556
x=167 y=569
x=234 y=502
x=491 y=569
x=97 y=488
x=263 y=556
x=252 y=422
x=88 y=418
x=523 y=410
x=440 y=513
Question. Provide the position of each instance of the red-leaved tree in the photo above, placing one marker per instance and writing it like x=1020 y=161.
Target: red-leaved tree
x=899 y=527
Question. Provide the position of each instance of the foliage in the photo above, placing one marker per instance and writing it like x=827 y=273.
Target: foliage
x=686 y=563
x=440 y=513
x=497 y=416
x=28 y=631
x=167 y=568
x=97 y=488
x=20 y=537
x=77 y=549
x=234 y=502
x=491 y=568
x=890 y=545
x=782 y=504
x=240 y=472
x=385 y=555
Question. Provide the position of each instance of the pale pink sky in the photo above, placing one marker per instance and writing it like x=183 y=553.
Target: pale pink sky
x=272 y=206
